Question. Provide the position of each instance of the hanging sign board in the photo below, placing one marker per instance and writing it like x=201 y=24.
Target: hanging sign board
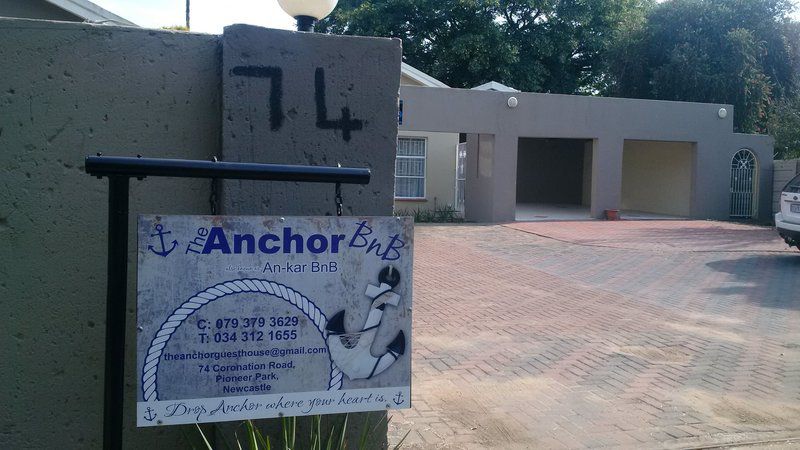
x=245 y=317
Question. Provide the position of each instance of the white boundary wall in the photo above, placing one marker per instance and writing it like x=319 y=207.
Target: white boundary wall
x=784 y=170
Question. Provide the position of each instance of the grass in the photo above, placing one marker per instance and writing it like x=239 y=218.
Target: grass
x=445 y=214
x=253 y=439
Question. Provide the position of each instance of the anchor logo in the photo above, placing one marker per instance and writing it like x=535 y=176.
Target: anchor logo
x=352 y=351
x=399 y=399
x=150 y=416
x=160 y=233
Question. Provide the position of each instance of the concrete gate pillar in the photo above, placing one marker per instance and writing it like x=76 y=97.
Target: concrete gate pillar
x=479 y=189
x=505 y=177
x=606 y=174
x=491 y=177
x=310 y=99
x=305 y=98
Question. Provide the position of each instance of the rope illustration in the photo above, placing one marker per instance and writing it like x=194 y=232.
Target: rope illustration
x=189 y=307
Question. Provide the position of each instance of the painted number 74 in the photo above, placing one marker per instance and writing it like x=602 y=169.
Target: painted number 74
x=345 y=123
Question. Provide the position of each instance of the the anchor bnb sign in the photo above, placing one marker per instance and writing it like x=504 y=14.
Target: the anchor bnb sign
x=256 y=317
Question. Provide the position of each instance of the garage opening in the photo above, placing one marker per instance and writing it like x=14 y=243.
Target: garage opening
x=553 y=179
x=657 y=179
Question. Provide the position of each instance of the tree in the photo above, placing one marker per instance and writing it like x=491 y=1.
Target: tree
x=455 y=41
x=716 y=51
x=532 y=45
x=784 y=126
x=562 y=43
x=784 y=117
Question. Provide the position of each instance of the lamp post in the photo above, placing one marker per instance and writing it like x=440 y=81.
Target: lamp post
x=307 y=11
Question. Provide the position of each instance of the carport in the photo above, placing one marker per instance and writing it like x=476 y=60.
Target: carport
x=553 y=179
x=657 y=178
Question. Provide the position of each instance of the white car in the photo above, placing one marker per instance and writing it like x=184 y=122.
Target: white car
x=788 y=220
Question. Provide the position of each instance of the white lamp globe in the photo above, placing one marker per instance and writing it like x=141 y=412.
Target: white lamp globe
x=318 y=9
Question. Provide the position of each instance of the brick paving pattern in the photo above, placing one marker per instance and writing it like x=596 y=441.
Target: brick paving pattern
x=664 y=334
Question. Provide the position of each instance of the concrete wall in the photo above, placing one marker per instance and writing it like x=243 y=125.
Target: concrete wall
x=330 y=114
x=67 y=91
x=608 y=122
x=586 y=194
x=764 y=168
x=358 y=127
x=478 y=147
x=657 y=177
x=71 y=90
x=550 y=171
x=440 y=172
x=35 y=9
x=784 y=171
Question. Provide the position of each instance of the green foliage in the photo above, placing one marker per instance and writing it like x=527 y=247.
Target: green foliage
x=740 y=52
x=445 y=214
x=784 y=126
x=456 y=41
x=562 y=43
x=715 y=51
x=532 y=45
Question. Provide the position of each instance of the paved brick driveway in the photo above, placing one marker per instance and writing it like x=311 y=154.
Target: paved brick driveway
x=596 y=334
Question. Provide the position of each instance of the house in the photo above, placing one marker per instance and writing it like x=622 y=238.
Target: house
x=430 y=166
x=502 y=155
x=425 y=175
x=494 y=86
x=62 y=10
x=530 y=156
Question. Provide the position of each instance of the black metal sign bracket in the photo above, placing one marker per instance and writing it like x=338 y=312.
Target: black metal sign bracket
x=119 y=171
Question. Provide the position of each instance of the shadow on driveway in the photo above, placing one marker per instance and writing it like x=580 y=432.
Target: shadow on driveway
x=743 y=238
x=769 y=280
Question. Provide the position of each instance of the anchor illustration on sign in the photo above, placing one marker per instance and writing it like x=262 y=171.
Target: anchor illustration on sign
x=160 y=233
x=352 y=351
x=150 y=416
x=398 y=399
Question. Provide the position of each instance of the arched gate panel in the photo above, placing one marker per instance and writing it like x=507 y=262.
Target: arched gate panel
x=744 y=171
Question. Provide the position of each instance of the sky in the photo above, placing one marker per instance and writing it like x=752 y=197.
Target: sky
x=207 y=16
x=211 y=16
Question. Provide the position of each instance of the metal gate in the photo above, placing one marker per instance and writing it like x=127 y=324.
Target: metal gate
x=743 y=182
x=461 y=175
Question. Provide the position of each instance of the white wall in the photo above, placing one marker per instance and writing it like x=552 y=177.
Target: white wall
x=784 y=171
x=657 y=177
x=440 y=171
x=408 y=81
x=440 y=166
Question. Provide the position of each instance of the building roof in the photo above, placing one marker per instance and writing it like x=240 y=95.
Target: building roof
x=421 y=77
x=495 y=86
x=90 y=12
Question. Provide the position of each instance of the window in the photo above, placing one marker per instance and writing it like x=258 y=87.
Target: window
x=409 y=170
x=793 y=186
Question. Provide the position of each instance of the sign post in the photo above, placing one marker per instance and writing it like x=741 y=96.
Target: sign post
x=119 y=170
